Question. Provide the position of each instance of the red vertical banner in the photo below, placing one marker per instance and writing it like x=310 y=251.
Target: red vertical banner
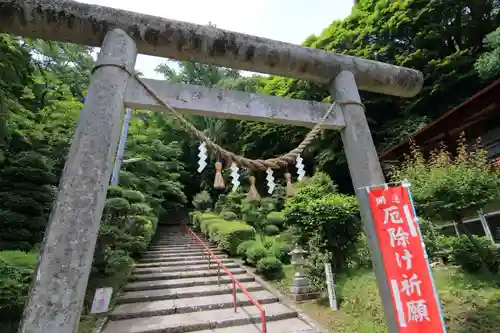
x=405 y=263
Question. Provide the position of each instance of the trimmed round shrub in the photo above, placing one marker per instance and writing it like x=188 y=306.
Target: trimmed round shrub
x=115 y=191
x=255 y=252
x=133 y=196
x=229 y=235
x=281 y=251
x=229 y=216
x=271 y=230
x=207 y=222
x=276 y=218
x=242 y=249
x=140 y=209
x=270 y=268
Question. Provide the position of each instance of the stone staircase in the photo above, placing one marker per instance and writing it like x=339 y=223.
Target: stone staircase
x=174 y=290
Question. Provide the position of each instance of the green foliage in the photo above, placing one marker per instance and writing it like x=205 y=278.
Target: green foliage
x=26 y=193
x=255 y=252
x=449 y=187
x=202 y=201
x=229 y=216
x=133 y=196
x=270 y=268
x=16 y=270
x=228 y=235
x=276 y=218
x=488 y=64
x=207 y=220
x=242 y=249
x=281 y=250
x=326 y=223
x=271 y=230
x=462 y=253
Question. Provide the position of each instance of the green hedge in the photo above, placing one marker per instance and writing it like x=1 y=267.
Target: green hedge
x=226 y=234
x=16 y=270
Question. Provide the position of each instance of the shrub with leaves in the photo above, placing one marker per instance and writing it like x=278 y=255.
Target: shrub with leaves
x=202 y=201
x=270 y=268
x=228 y=235
x=16 y=270
x=271 y=230
x=256 y=252
x=242 y=249
x=276 y=218
x=447 y=187
x=324 y=222
x=281 y=251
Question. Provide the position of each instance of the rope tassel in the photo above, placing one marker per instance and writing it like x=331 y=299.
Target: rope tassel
x=253 y=195
x=290 y=190
x=219 y=180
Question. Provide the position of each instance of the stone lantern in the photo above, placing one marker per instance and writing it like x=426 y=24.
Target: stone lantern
x=301 y=287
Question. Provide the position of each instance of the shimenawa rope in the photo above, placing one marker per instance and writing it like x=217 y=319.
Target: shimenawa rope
x=261 y=165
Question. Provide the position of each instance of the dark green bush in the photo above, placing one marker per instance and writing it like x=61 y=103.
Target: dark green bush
x=276 y=218
x=464 y=254
x=242 y=249
x=270 y=268
x=115 y=191
x=140 y=209
x=256 y=252
x=331 y=220
x=281 y=251
x=271 y=230
x=16 y=270
x=133 y=196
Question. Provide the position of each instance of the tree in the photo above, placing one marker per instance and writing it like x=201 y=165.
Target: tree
x=488 y=64
x=449 y=188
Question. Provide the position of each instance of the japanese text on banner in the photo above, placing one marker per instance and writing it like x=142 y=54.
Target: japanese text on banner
x=405 y=262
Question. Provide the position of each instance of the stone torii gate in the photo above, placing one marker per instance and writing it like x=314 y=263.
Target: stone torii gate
x=56 y=296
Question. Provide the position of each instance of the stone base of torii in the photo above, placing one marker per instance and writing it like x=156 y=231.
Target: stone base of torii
x=56 y=297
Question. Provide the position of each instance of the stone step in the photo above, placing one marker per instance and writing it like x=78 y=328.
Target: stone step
x=183 y=274
x=201 y=320
x=177 y=258
x=189 y=282
x=148 y=270
x=180 y=263
x=292 y=325
x=181 y=247
x=177 y=293
x=193 y=252
x=186 y=305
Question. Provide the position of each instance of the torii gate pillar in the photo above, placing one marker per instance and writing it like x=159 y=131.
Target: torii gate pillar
x=57 y=292
x=365 y=170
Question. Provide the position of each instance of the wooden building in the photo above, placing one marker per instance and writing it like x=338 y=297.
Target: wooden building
x=479 y=116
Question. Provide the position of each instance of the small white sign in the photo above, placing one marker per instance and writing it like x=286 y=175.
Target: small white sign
x=101 y=301
x=331 y=286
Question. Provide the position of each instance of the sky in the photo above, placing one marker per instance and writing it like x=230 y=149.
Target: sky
x=289 y=21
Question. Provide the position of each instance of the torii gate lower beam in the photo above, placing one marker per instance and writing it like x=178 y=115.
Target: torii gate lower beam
x=56 y=296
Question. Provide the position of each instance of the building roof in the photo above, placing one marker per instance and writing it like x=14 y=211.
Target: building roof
x=451 y=123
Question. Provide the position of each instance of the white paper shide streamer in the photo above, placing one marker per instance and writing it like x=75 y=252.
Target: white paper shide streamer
x=300 y=168
x=270 y=181
x=202 y=162
x=235 y=176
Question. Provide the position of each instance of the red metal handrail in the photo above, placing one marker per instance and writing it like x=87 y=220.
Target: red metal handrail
x=233 y=278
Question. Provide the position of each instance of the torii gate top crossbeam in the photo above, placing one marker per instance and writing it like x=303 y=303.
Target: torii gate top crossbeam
x=80 y=23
